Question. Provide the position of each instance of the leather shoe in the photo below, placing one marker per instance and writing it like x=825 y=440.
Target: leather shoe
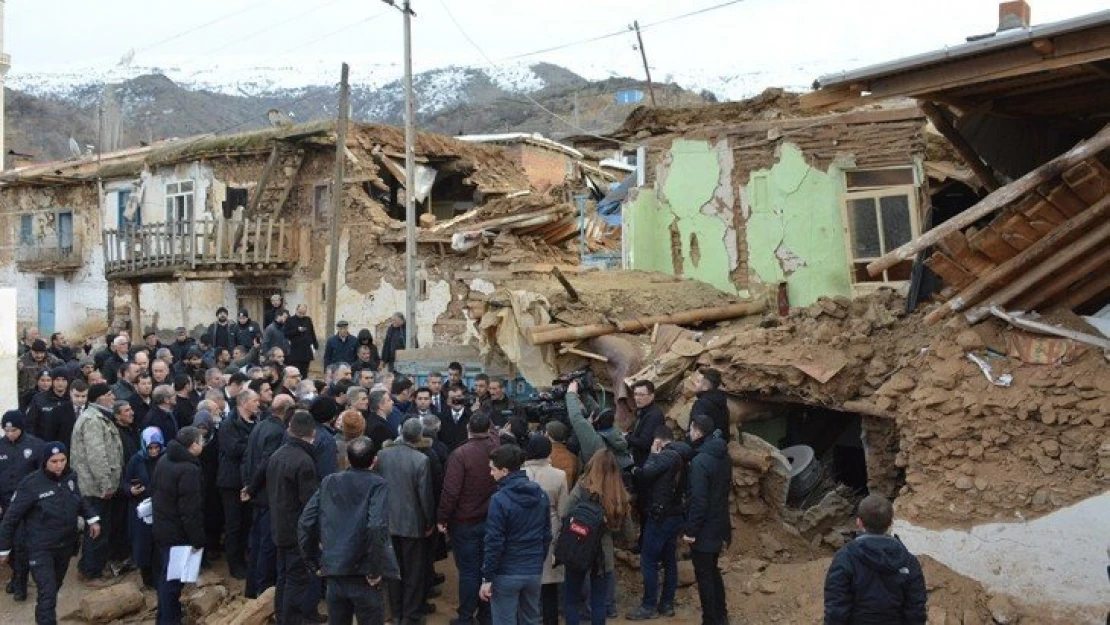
x=641 y=614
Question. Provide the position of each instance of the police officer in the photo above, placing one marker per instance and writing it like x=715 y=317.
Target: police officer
x=48 y=503
x=19 y=457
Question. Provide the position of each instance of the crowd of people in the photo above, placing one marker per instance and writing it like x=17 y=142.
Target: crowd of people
x=351 y=487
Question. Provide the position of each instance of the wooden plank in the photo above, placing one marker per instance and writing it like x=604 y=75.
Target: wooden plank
x=281 y=240
x=1089 y=180
x=1063 y=199
x=586 y=354
x=269 y=239
x=1057 y=284
x=245 y=225
x=267 y=172
x=1017 y=231
x=1008 y=270
x=221 y=234
x=1043 y=216
x=949 y=270
x=955 y=245
x=1087 y=291
x=1092 y=239
x=996 y=200
x=990 y=242
x=257 y=238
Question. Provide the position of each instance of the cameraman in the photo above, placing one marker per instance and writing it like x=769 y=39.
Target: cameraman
x=596 y=431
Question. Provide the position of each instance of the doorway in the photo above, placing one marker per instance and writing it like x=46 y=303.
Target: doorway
x=45 y=290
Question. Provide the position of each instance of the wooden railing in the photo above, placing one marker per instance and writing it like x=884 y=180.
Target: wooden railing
x=260 y=243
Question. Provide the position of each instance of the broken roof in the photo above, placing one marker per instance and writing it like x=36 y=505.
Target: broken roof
x=533 y=138
x=486 y=167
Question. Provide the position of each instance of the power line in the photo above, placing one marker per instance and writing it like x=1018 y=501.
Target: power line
x=527 y=96
x=200 y=27
x=618 y=33
x=335 y=32
x=267 y=29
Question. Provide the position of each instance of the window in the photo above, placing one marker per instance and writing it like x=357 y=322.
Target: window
x=179 y=202
x=65 y=232
x=26 y=230
x=321 y=203
x=880 y=215
x=123 y=201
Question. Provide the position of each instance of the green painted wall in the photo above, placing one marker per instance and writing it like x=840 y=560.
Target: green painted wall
x=795 y=231
x=683 y=196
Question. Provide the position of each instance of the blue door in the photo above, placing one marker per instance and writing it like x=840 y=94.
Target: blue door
x=46 y=306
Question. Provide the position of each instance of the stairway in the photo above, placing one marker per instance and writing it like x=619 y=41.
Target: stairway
x=276 y=183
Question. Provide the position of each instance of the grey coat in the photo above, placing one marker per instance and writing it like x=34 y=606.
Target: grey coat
x=408 y=473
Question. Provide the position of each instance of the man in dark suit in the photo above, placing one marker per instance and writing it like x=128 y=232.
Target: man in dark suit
x=302 y=340
x=454 y=417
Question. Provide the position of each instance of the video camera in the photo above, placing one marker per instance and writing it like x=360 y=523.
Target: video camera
x=551 y=404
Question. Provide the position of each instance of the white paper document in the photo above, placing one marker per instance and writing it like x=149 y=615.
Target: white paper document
x=184 y=564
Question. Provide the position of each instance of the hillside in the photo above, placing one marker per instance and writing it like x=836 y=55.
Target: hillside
x=450 y=101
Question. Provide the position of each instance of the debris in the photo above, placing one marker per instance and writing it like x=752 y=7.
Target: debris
x=111 y=603
x=1002 y=380
x=1022 y=321
x=257 y=611
x=644 y=324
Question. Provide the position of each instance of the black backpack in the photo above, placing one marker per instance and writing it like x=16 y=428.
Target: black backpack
x=578 y=546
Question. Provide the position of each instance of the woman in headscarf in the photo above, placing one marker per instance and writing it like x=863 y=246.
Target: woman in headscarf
x=137 y=477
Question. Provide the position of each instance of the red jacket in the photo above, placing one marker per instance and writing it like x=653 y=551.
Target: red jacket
x=468 y=486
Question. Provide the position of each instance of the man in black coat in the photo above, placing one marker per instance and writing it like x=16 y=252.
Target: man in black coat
x=394 y=340
x=290 y=483
x=271 y=310
x=274 y=335
x=57 y=425
x=663 y=476
x=130 y=436
x=454 y=417
x=233 y=435
x=874 y=579
x=712 y=401
x=640 y=440
x=19 y=457
x=248 y=334
x=47 y=503
x=178 y=512
x=265 y=439
x=350 y=508
x=708 y=529
x=45 y=403
x=221 y=333
x=342 y=346
x=302 y=340
x=181 y=344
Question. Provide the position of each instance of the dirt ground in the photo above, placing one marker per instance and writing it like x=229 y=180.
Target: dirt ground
x=759 y=591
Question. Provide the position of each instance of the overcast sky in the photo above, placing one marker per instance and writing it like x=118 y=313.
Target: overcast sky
x=46 y=34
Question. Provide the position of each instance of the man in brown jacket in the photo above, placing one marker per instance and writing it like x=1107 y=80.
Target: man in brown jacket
x=467 y=488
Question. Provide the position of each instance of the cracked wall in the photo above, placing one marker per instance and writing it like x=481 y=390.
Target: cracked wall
x=692 y=195
x=794 y=228
x=786 y=226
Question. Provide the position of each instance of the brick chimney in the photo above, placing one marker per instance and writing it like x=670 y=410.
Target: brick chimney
x=1011 y=15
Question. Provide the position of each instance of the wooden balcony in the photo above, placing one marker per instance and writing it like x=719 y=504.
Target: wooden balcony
x=48 y=258
x=201 y=249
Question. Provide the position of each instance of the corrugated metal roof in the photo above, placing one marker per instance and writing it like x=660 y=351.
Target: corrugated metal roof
x=998 y=41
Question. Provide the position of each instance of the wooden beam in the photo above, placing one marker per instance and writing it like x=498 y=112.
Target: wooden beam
x=996 y=200
x=1049 y=267
x=1086 y=292
x=644 y=324
x=1054 y=285
x=1009 y=269
x=267 y=173
x=963 y=148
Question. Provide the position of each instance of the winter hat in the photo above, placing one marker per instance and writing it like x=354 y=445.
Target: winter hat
x=59 y=372
x=87 y=362
x=13 y=419
x=243 y=312
x=324 y=409
x=202 y=419
x=153 y=436
x=354 y=424
x=538 y=447
x=38 y=345
x=221 y=309
x=51 y=449
x=96 y=391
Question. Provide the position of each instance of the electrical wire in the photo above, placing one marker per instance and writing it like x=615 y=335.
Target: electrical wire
x=643 y=27
x=199 y=27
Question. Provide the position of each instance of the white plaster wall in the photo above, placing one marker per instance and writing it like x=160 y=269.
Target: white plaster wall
x=1060 y=558
x=161 y=303
x=9 y=387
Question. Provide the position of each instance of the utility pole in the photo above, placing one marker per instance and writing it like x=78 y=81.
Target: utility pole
x=337 y=196
x=643 y=55
x=410 y=188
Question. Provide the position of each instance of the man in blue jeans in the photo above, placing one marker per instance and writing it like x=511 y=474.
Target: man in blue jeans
x=518 y=532
x=467 y=488
x=663 y=480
